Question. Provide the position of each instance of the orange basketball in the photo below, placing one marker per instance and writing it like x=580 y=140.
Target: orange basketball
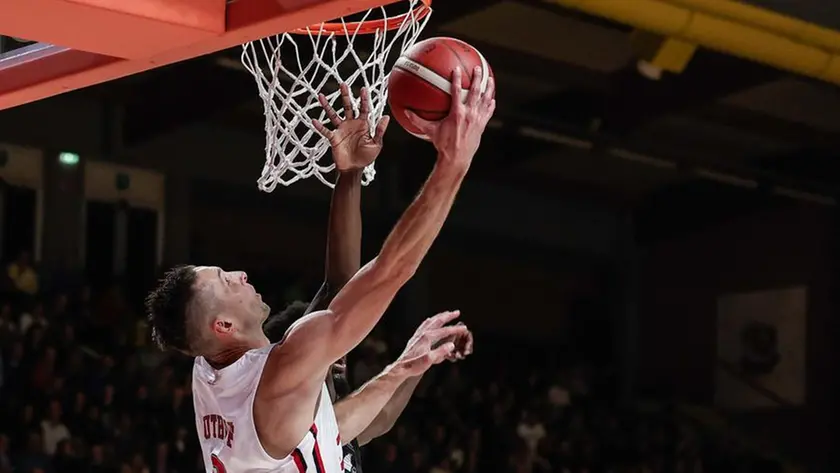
x=420 y=79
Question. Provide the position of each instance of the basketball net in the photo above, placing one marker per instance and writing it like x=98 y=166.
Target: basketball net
x=289 y=84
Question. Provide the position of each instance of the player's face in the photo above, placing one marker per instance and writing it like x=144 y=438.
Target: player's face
x=232 y=296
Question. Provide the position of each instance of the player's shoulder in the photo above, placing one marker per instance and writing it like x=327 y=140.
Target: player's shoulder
x=250 y=360
x=246 y=357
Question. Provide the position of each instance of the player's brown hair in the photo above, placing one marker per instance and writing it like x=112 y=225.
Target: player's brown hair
x=167 y=305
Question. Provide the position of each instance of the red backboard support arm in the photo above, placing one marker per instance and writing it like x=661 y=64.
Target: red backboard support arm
x=42 y=70
x=130 y=29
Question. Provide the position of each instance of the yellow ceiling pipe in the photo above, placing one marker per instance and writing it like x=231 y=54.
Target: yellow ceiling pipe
x=721 y=33
x=793 y=28
x=665 y=53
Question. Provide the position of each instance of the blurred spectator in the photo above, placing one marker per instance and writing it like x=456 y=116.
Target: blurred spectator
x=8 y=325
x=23 y=275
x=34 y=317
x=5 y=460
x=34 y=459
x=53 y=430
x=82 y=391
x=531 y=431
x=65 y=458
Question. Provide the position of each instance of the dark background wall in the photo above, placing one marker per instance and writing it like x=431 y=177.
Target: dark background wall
x=789 y=245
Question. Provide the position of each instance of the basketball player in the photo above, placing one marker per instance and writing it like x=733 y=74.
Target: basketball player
x=264 y=407
x=343 y=259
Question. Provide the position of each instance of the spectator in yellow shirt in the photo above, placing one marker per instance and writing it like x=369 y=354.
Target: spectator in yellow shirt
x=23 y=275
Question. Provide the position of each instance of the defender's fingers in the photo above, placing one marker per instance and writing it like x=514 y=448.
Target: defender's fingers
x=334 y=118
x=446 y=332
x=381 y=128
x=365 y=107
x=444 y=318
x=320 y=128
x=348 y=102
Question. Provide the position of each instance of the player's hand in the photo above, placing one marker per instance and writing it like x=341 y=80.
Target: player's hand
x=463 y=345
x=432 y=343
x=353 y=147
x=457 y=136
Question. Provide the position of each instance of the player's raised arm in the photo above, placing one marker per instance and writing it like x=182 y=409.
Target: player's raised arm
x=321 y=338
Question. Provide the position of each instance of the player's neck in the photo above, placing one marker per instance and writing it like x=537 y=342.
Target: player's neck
x=229 y=353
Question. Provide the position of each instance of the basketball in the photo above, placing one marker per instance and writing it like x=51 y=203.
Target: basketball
x=420 y=79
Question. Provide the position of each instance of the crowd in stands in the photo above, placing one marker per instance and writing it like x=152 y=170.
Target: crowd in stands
x=82 y=390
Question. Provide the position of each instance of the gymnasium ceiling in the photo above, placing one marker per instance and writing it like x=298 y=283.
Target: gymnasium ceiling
x=574 y=112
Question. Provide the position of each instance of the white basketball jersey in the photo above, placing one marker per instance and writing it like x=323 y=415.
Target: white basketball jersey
x=224 y=417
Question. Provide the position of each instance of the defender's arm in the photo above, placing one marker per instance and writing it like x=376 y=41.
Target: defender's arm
x=388 y=415
x=358 y=411
x=344 y=238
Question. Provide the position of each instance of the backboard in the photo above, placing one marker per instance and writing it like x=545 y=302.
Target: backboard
x=85 y=42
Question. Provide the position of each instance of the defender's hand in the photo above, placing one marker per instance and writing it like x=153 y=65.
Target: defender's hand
x=463 y=346
x=432 y=343
x=353 y=147
x=457 y=136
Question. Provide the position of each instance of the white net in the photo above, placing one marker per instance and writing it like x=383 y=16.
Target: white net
x=291 y=69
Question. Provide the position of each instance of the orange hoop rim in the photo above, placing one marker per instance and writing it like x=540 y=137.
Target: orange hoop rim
x=367 y=27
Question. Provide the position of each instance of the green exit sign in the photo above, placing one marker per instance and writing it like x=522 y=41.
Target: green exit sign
x=68 y=159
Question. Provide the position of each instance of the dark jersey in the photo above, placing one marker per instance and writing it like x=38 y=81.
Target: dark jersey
x=352 y=451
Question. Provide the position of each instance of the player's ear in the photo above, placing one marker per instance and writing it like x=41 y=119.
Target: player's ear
x=223 y=327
